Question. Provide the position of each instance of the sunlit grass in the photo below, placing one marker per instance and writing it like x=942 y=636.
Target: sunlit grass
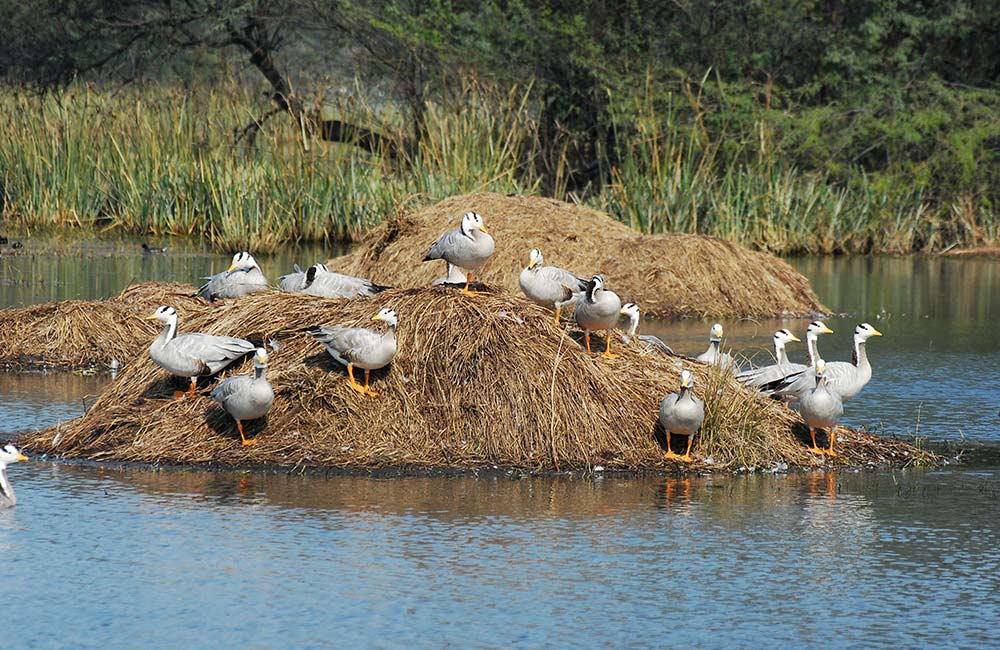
x=157 y=161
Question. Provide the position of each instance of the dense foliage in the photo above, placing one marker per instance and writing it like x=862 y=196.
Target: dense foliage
x=885 y=106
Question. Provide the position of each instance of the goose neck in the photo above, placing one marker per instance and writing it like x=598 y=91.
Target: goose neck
x=6 y=489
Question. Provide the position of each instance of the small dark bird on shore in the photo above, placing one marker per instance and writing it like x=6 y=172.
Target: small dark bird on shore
x=152 y=250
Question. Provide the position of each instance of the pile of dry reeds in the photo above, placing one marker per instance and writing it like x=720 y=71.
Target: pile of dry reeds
x=478 y=381
x=666 y=275
x=79 y=333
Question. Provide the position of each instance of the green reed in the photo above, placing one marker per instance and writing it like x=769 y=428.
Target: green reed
x=158 y=161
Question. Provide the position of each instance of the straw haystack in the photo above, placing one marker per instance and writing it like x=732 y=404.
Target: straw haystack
x=478 y=381
x=666 y=275
x=87 y=333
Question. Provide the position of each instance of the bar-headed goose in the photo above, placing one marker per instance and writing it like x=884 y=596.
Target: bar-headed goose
x=360 y=346
x=242 y=278
x=847 y=379
x=192 y=355
x=244 y=397
x=714 y=355
x=321 y=281
x=631 y=310
x=8 y=455
x=821 y=407
x=598 y=310
x=682 y=413
x=468 y=248
x=550 y=286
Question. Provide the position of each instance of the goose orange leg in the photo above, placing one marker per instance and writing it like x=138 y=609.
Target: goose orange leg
x=815 y=449
x=607 y=346
x=669 y=453
x=354 y=384
x=369 y=391
x=466 y=291
x=246 y=442
x=687 y=454
x=832 y=436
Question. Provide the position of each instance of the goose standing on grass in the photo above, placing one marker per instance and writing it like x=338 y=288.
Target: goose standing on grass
x=455 y=276
x=192 y=355
x=293 y=281
x=550 y=286
x=242 y=278
x=360 y=346
x=821 y=407
x=846 y=379
x=631 y=310
x=246 y=398
x=598 y=310
x=321 y=281
x=682 y=413
x=9 y=454
x=468 y=248
x=714 y=355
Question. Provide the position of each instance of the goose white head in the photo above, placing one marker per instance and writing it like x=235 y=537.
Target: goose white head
x=820 y=372
x=242 y=262
x=535 y=258
x=164 y=314
x=472 y=221
x=715 y=334
x=864 y=331
x=387 y=315
x=631 y=310
x=11 y=454
x=260 y=358
x=783 y=337
x=816 y=328
x=687 y=379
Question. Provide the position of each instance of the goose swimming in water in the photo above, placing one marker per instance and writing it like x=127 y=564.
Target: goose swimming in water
x=682 y=413
x=360 y=346
x=192 y=355
x=550 y=286
x=242 y=278
x=246 y=398
x=8 y=455
x=598 y=310
x=468 y=248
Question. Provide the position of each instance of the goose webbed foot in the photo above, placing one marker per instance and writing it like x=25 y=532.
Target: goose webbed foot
x=246 y=441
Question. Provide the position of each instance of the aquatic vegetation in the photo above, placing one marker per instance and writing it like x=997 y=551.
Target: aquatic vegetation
x=160 y=160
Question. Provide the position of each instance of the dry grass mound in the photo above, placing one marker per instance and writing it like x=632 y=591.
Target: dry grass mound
x=666 y=275
x=87 y=333
x=477 y=382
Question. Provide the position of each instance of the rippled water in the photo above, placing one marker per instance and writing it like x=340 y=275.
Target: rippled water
x=99 y=557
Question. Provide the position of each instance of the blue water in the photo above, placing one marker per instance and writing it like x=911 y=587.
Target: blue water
x=103 y=557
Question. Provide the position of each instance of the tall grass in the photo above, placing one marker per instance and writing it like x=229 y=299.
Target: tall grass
x=164 y=161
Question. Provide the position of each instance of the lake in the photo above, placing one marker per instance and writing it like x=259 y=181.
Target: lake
x=110 y=556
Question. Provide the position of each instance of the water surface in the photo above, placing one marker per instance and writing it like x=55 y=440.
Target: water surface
x=101 y=557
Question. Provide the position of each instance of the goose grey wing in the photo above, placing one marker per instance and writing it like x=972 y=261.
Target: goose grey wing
x=444 y=246
x=563 y=277
x=344 y=343
x=656 y=342
x=210 y=290
x=761 y=377
x=292 y=281
x=229 y=388
x=338 y=285
x=216 y=352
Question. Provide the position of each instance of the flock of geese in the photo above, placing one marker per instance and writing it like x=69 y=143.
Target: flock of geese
x=820 y=388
